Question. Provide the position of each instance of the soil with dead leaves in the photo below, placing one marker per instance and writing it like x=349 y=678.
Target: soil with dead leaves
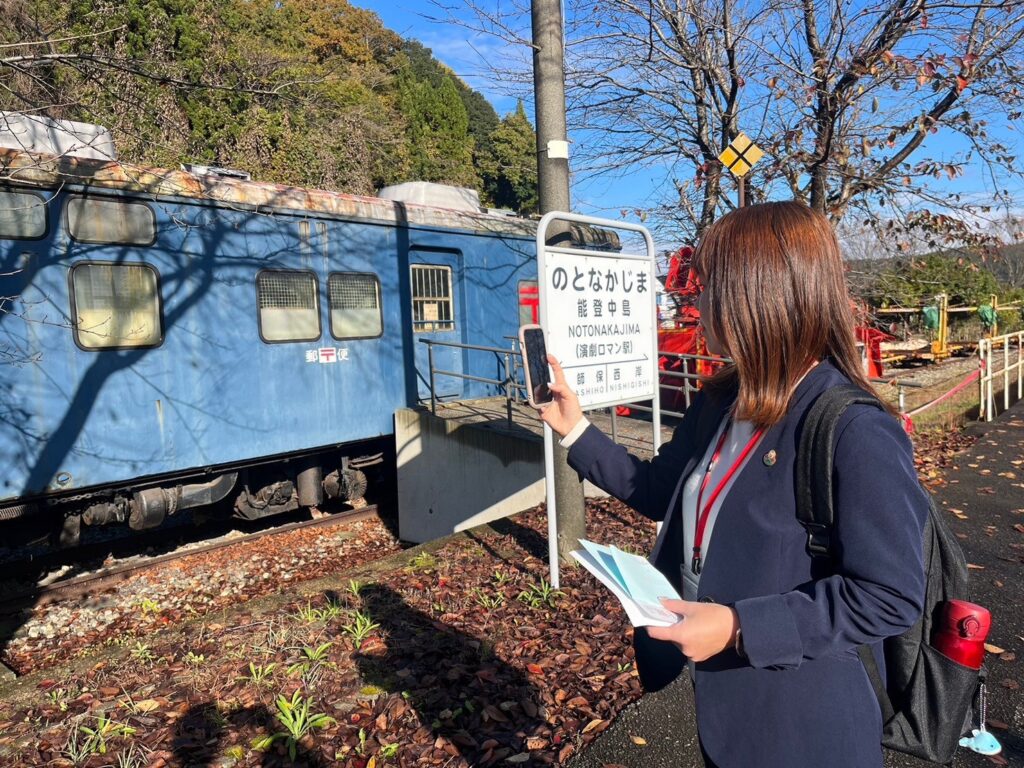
x=190 y=587
x=462 y=656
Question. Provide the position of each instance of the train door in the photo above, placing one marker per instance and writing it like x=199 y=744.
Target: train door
x=438 y=315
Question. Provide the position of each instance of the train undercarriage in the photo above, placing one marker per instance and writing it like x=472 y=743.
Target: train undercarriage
x=247 y=492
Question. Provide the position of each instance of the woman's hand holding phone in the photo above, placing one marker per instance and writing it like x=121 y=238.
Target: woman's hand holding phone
x=563 y=412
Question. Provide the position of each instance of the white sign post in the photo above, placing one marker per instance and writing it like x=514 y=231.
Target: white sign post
x=599 y=315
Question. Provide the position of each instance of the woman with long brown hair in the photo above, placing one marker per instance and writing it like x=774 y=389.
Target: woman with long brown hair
x=769 y=635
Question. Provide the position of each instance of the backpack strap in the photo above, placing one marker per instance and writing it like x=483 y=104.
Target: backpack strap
x=814 y=463
x=814 y=496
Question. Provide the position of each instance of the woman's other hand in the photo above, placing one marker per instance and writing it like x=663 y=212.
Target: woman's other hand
x=705 y=629
x=563 y=412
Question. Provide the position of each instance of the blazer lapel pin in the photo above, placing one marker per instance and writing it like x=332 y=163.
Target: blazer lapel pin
x=770 y=458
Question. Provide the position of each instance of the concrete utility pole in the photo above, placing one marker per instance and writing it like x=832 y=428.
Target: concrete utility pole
x=553 y=189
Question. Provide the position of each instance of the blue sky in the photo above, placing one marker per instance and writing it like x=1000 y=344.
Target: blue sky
x=466 y=53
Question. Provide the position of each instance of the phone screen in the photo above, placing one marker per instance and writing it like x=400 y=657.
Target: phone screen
x=537 y=361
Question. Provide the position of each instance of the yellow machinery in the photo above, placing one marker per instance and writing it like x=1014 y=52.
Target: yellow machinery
x=940 y=348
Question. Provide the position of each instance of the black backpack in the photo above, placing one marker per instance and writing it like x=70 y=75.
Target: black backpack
x=927 y=700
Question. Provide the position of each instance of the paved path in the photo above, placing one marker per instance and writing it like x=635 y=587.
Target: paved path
x=983 y=500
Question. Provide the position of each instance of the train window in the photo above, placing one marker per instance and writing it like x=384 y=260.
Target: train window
x=22 y=215
x=116 y=305
x=432 y=298
x=289 y=305
x=355 y=305
x=105 y=220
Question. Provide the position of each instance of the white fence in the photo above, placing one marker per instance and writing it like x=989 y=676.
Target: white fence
x=989 y=356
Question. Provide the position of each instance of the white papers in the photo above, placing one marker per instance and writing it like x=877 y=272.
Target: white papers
x=633 y=580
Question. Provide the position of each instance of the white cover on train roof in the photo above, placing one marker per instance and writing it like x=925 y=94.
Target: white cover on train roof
x=434 y=195
x=42 y=135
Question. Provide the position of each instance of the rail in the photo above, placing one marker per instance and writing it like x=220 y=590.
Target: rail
x=669 y=392
x=986 y=358
x=689 y=377
x=515 y=390
x=901 y=386
x=508 y=383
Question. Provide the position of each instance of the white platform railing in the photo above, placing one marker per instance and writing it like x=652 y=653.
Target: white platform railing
x=988 y=359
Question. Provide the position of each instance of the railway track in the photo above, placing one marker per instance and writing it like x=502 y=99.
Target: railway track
x=93 y=583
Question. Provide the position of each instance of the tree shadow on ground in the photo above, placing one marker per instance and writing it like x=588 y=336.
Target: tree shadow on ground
x=467 y=700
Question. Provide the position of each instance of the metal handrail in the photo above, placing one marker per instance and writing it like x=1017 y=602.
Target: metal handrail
x=687 y=387
x=901 y=386
x=508 y=383
x=987 y=400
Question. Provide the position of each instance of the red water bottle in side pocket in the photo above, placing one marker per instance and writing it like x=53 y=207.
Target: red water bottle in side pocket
x=960 y=632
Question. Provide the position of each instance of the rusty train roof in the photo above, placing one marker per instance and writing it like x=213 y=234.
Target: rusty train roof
x=50 y=171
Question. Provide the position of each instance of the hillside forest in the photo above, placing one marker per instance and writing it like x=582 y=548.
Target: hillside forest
x=314 y=93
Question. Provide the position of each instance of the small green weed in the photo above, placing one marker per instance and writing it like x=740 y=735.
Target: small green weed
x=310 y=659
x=274 y=640
x=388 y=751
x=486 y=601
x=424 y=561
x=147 y=607
x=95 y=739
x=141 y=652
x=360 y=627
x=500 y=577
x=59 y=698
x=294 y=714
x=537 y=595
x=133 y=757
x=260 y=674
x=486 y=649
x=235 y=753
x=354 y=588
x=216 y=717
x=310 y=615
x=134 y=707
x=78 y=748
x=195 y=660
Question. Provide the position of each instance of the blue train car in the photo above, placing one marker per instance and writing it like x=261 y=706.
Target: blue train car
x=170 y=339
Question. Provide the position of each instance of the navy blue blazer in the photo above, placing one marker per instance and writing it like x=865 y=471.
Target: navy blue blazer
x=801 y=697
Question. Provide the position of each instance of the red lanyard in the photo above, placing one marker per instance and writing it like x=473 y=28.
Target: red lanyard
x=705 y=513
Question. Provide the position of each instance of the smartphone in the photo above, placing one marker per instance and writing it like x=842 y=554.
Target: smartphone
x=535 y=363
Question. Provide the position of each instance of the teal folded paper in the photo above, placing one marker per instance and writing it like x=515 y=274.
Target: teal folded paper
x=633 y=580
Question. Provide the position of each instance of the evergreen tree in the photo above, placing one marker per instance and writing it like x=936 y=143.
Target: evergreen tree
x=440 y=147
x=482 y=117
x=510 y=169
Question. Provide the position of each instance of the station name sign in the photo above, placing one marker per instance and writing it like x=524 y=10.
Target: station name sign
x=600 y=324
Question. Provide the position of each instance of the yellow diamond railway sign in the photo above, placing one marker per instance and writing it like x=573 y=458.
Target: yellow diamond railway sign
x=741 y=154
